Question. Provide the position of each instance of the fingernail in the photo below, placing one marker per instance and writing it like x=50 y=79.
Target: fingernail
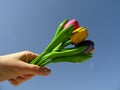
x=44 y=70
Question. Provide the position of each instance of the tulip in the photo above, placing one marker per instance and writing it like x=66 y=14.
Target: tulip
x=79 y=35
x=74 y=22
x=89 y=44
x=90 y=48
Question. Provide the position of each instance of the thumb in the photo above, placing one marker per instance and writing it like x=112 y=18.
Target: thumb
x=34 y=69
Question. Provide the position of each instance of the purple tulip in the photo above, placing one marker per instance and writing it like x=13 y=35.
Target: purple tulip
x=88 y=43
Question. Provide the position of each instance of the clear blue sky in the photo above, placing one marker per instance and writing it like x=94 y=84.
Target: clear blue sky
x=30 y=25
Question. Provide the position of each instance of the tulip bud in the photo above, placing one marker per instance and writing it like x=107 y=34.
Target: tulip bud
x=79 y=35
x=89 y=44
x=74 y=22
x=90 y=48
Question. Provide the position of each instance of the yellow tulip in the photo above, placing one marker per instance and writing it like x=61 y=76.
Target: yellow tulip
x=79 y=35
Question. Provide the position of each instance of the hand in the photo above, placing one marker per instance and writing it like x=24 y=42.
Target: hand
x=15 y=67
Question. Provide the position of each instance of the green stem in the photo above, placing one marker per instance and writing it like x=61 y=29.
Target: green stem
x=65 y=44
x=36 y=60
x=69 y=52
x=62 y=45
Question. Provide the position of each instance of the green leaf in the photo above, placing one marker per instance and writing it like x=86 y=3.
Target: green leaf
x=60 y=27
x=73 y=59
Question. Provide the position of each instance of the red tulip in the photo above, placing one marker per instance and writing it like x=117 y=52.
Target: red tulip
x=74 y=22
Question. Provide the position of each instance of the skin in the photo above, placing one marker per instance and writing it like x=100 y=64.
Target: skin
x=15 y=68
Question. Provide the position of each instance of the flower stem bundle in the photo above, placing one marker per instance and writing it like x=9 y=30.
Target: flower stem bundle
x=67 y=45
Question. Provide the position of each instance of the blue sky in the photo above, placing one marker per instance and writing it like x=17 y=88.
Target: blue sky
x=31 y=24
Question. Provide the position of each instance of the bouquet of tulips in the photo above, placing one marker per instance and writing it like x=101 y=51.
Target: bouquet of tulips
x=69 y=44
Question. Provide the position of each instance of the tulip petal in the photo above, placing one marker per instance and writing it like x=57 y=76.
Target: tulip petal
x=79 y=35
x=89 y=44
x=72 y=22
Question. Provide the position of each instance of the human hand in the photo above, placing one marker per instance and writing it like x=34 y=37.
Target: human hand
x=15 y=68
